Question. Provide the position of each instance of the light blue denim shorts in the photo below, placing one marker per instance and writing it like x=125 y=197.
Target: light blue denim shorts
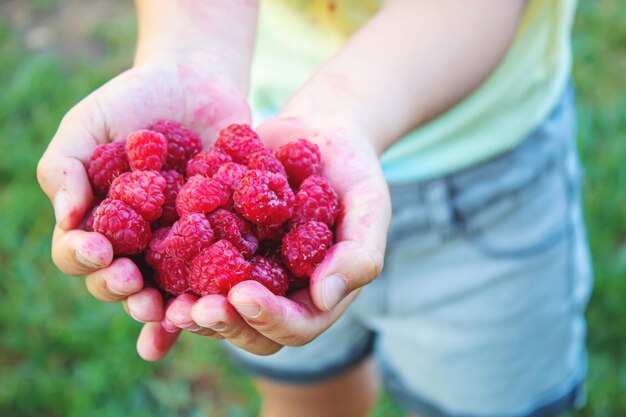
x=479 y=309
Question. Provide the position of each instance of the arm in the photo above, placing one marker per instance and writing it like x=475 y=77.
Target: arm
x=192 y=65
x=219 y=33
x=415 y=58
x=411 y=62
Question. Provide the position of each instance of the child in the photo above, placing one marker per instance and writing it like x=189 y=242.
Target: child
x=479 y=310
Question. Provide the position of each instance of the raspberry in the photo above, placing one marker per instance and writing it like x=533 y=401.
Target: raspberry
x=232 y=227
x=239 y=141
x=264 y=198
x=142 y=191
x=155 y=252
x=265 y=160
x=146 y=150
x=301 y=159
x=107 y=162
x=182 y=143
x=174 y=181
x=189 y=236
x=91 y=216
x=172 y=276
x=201 y=195
x=217 y=269
x=305 y=246
x=315 y=200
x=207 y=163
x=128 y=232
x=230 y=173
x=269 y=273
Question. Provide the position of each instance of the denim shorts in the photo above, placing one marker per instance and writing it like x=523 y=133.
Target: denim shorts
x=480 y=307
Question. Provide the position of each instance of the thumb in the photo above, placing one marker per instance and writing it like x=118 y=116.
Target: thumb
x=61 y=170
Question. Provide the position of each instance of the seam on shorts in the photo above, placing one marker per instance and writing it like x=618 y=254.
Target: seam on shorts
x=361 y=352
x=556 y=234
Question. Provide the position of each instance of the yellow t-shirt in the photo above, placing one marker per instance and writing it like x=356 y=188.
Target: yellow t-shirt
x=297 y=36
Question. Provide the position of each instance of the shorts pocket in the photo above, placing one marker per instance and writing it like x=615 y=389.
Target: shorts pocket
x=526 y=221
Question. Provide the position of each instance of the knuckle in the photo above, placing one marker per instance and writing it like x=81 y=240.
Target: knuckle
x=65 y=262
x=269 y=328
x=44 y=171
x=96 y=286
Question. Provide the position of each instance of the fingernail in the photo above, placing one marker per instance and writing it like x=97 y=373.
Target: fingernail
x=61 y=204
x=193 y=328
x=218 y=327
x=333 y=290
x=248 y=310
x=85 y=261
x=168 y=326
x=114 y=291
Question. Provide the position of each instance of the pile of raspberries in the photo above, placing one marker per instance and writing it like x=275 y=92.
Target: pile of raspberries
x=205 y=221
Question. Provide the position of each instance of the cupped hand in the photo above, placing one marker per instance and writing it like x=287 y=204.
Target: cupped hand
x=253 y=318
x=191 y=92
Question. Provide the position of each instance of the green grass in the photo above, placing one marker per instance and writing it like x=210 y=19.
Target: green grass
x=64 y=354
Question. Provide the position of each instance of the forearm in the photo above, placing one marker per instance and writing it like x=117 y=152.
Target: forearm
x=210 y=33
x=410 y=63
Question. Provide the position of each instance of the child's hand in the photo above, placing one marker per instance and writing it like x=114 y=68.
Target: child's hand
x=132 y=101
x=192 y=66
x=256 y=320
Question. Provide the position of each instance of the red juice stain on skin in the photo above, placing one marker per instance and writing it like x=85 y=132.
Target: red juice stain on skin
x=366 y=220
x=96 y=250
x=299 y=310
x=212 y=103
x=129 y=273
x=199 y=15
x=75 y=215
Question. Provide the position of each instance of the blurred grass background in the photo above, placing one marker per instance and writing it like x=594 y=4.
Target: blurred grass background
x=63 y=353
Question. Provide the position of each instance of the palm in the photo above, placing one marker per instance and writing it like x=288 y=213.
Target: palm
x=192 y=95
x=138 y=97
x=352 y=167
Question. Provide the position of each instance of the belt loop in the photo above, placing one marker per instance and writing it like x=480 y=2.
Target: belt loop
x=440 y=208
x=457 y=220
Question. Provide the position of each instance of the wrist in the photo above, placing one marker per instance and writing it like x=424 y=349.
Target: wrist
x=216 y=36
x=202 y=64
x=329 y=102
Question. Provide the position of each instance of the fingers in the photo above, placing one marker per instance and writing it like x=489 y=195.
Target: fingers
x=289 y=322
x=179 y=312
x=145 y=306
x=155 y=342
x=116 y=282
x=61 y=171
x=107 y=114
x=215 y=312
x=78 y=252
x=165 y=323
